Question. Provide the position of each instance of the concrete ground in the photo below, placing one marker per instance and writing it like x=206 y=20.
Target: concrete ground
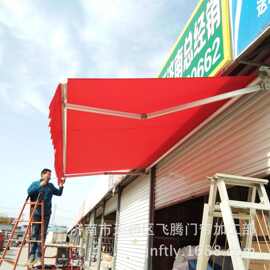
x=23 y=258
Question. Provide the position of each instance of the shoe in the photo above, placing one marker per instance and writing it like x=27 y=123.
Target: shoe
x=31 y=260
x=37 y=262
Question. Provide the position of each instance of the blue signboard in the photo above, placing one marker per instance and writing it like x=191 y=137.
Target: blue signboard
x=250 y=19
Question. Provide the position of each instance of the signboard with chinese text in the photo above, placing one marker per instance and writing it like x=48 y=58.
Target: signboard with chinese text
x=204 y=47
x=250 y=19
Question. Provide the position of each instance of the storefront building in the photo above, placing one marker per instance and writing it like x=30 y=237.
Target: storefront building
x=235 y=140
x=164 y=206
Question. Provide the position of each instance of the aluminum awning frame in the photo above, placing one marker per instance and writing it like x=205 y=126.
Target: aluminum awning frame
x=263 y=84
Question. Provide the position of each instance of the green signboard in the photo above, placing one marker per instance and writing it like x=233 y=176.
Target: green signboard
x=204 y=47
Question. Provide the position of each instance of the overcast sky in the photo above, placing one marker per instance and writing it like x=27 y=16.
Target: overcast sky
x=43 y=42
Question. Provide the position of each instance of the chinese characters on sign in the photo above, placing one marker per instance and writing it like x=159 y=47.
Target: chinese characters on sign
x=250 y=20
x=200 y=49
x=194 y=229
x=262 y=6
x=172 y=229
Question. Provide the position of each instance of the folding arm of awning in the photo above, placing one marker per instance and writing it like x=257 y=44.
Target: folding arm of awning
x=263 y=85
x=66 y=105
x=134 y=172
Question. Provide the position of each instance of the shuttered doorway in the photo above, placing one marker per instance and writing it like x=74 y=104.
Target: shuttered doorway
x=132 y=238
x=237 y=141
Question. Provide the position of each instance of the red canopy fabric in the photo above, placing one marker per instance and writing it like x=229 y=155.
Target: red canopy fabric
x=97 y=143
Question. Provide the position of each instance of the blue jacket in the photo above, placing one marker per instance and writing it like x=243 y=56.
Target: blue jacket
x=46 y=194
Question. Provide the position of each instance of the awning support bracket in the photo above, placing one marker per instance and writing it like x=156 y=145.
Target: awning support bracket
x=263 y=85
x=264 y=73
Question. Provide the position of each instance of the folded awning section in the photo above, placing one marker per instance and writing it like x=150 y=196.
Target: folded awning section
x=101 y=126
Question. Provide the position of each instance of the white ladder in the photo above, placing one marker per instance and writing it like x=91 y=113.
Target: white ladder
x=229 y=210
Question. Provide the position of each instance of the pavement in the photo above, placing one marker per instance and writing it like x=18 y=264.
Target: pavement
x=23 y=258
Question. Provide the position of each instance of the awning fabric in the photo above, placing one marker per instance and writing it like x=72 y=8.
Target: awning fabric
x=89 y=143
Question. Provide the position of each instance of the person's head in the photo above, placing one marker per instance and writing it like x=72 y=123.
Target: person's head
x=46 y=174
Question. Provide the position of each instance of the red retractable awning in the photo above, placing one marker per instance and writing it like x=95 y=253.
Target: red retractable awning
x=110 y=125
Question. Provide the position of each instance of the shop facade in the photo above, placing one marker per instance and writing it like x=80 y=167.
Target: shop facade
x=114 y=234
x=235 y=140
x=164 y=206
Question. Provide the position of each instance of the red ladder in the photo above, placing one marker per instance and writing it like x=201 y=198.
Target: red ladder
x=27 y=234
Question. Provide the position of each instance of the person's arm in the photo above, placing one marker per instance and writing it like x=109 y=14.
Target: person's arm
x=57 y=191
x=34 y=189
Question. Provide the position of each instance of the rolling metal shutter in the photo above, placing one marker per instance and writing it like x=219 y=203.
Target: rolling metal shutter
x=132 y=235
x=111 y=205
x=237 y=141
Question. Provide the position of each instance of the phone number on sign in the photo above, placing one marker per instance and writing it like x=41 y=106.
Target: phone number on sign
x=211 y=57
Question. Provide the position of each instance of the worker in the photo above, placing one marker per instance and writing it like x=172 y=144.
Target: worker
x=46 y=191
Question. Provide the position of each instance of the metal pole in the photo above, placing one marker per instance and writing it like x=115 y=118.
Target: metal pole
x=82 y=108
x=42 y=235
x=29 y=238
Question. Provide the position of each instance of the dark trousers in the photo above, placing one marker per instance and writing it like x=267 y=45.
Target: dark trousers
x=36 y=234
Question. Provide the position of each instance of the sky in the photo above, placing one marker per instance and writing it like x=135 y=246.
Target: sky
x=44 y=42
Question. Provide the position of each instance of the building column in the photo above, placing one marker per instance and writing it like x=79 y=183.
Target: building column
x=100 y=236
x=116 y=226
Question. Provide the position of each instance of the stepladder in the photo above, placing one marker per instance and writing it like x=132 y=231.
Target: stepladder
x=26 y=241
x=244 y=234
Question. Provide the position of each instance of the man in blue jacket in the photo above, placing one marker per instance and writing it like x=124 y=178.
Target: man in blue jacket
x=46 y=191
